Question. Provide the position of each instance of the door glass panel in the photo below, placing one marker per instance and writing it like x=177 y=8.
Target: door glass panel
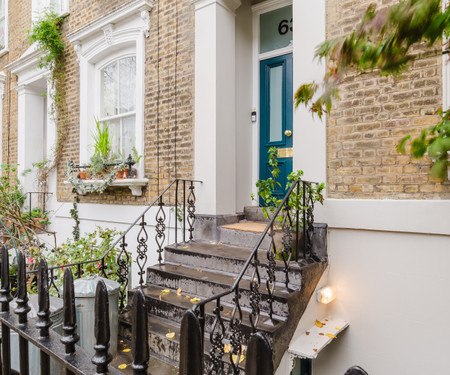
x=276 y=104
x=275 y=29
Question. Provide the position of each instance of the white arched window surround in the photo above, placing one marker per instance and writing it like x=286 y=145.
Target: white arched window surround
x=116 y=35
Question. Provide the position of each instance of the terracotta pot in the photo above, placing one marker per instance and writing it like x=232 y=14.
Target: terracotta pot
x=123 y=173
x=83 y=175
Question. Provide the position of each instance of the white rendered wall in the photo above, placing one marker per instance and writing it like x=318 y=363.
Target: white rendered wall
x=309 y=133
x=215 y=107
x=393 y=288
x=244 y=106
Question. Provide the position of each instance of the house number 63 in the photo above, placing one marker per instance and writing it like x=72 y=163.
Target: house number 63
x=284 y=26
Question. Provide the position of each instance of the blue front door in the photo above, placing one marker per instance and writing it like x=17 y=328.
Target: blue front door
x=276 y=116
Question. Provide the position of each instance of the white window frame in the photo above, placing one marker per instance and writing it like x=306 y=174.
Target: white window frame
x=2 y=96
x=120 y=33
x=39 y=7
x=5 y=48
x=98 y=85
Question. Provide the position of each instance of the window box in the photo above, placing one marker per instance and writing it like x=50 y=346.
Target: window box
x=134 y=184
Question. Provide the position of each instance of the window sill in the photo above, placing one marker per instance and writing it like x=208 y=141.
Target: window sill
x=134 y=184
x=4 y=51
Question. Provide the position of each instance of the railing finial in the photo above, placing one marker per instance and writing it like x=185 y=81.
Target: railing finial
x=102 y=355
x=70 y=337
x=139 y=334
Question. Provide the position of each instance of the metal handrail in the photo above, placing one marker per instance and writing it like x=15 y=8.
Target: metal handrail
x=103 y=257
x=252 y=255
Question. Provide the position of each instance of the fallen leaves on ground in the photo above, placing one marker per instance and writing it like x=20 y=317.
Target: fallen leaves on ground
x=227 y=348
x=179 y=291
x=195 y=300
x=319 y=324
x=126 y=350
x=165 y=291
x=241 y=359
x=331 y=336
x=123 y=366
x=337 y=328
x=307 y=333
x=185 y=247
x=170 y=335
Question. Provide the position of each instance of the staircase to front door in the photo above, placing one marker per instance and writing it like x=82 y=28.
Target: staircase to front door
x=196 y=270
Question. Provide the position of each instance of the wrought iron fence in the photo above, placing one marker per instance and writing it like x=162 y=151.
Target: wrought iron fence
x=180 y=194
x=62 y=348
x=295 y=216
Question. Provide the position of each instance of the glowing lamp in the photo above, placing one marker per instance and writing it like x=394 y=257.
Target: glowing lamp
x=326 y=295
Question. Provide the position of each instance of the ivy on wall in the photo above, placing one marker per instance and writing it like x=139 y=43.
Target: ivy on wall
x=46 y=32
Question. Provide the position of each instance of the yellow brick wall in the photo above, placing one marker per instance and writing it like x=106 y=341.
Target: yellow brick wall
x=371 y=117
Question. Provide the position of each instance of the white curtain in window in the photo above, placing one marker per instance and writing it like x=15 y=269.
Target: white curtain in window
x=118 y=103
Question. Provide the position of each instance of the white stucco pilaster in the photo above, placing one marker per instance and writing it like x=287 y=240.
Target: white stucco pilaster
x=309 y=133
x=29 y=147
x=215 y=107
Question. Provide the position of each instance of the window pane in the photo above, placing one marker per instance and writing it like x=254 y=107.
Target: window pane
x=275 y=29
x=276 y=103
x=109 y=90
x=127 y=79
x=129 y=137
x=114 y=130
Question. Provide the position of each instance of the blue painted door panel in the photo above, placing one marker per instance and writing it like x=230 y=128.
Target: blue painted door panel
x=276 y=109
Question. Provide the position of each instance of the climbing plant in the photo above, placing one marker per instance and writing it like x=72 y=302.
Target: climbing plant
x=46 y=32
x=384 y=41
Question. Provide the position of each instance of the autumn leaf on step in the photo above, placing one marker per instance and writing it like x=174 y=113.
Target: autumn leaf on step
x=319 y=324
x=187 y=297
x=243 y=348
x=227 y=348
x=123 y=366
x=165 y=291
x=307 y=333
x=179 y=291
x=160 y=297
x=337 y=328
x=331 y=336
x=213 y=242
x=241 y=359
x=185 y=247
x=195 y=300
x=228 y=313
x=126 y=350
x=170 y=335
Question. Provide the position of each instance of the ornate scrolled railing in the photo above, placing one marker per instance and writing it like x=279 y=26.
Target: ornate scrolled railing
x=182 y=199
x=294 y=215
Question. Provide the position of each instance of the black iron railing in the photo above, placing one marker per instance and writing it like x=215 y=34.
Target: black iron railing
x=74 y=360
x=295 y=221
x=179 y=196
x=129 y=162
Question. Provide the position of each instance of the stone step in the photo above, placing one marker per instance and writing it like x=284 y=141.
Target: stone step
x=254 y=213
x=155 y=365
x=241 y=238
x=164 y=349
x=172 y=307
x=226 y=258
x=201 y=282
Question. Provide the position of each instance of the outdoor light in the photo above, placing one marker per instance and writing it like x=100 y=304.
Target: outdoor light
x=326 y=295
